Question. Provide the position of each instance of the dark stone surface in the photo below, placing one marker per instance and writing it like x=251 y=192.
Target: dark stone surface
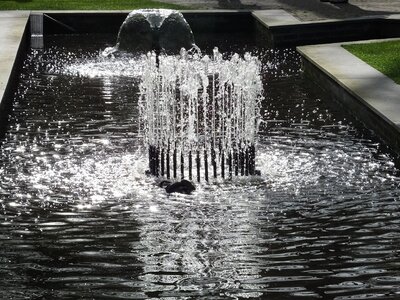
x=182 y=187
x=88 y=22
x=206 y=23
x=325 y=32
x=82 y=22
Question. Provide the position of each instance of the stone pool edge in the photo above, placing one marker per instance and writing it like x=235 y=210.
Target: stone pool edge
x=284 y=30
x=372 y=97
x=13 y=38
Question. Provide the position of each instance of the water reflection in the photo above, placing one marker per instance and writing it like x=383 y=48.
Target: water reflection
x=200 y=247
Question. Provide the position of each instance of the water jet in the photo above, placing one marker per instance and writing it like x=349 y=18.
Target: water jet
x=197 y=113
x=203 y=111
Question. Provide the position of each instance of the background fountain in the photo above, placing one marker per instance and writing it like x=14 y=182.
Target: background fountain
x=153 y=29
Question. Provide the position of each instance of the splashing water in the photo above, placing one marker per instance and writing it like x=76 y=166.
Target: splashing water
x=201 y=104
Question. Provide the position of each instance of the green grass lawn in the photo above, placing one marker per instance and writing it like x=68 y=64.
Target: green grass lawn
x=383 y=56
x=83 y=4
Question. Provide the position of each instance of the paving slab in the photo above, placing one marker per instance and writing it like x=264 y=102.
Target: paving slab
x=12 y=26
x=306 y=10
x=275 y=17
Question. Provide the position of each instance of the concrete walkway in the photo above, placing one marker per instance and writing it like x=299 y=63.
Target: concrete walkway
x=306 y=10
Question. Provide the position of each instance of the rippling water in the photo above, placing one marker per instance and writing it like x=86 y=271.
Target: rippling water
x=79 y=220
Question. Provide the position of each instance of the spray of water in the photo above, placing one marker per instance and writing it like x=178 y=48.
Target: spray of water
x=198 y=112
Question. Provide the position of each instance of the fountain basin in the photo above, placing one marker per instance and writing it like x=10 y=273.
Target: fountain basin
x=79 y=219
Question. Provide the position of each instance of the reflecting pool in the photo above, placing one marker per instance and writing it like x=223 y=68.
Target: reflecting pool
x=80 y=220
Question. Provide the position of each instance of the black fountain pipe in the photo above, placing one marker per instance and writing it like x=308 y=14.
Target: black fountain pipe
x=230 y=164
x=236 y=161
x=190 y=165
x=247 y=161
x=174 y=163
x=182 y=166
x=168 y=163
x=213 y=161
x=241 y=161
x=162 y=162
x=205 y=165
x=223 y=164
x=157 y=162
x=150 y=160
x=252 y=160
x=198 y=165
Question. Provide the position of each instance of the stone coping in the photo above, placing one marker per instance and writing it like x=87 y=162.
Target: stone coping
x=369 y=87
x=12 y=26
x=200 y=11
x=284 y=30
x=278 y=17
x=275 y=17
x=374 y=89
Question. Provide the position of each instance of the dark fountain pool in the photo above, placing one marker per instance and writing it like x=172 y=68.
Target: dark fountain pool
x=80 y=220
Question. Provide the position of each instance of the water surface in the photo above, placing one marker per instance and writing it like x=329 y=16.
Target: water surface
x=80 y=220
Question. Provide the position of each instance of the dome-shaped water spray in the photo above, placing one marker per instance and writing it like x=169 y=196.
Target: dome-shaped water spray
x=154 y=29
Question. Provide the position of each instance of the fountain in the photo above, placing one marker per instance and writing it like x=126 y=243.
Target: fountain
x=153 y=29
x=197 y=112
x=80 y=219
x=200 y=112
